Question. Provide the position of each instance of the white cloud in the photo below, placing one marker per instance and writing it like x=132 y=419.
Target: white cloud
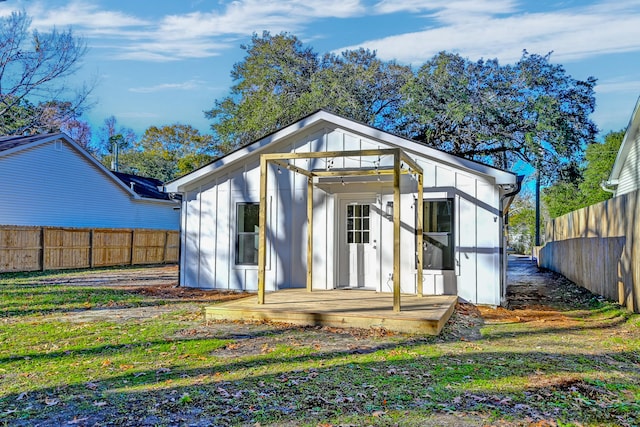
x=571 y=33
x=82 y=15
x=188 y=85
x=473 y=28
x=193 y=35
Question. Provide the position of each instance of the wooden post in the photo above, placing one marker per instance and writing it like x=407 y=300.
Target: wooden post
x=396 y=231
x=164 y=247
x=43 y=249
x=91 y=262
x=133 y=241
x=262 y=229
x=419 y=231
x=309 y=234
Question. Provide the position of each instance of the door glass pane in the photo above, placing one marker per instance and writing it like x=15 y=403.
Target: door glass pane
x=358 y=223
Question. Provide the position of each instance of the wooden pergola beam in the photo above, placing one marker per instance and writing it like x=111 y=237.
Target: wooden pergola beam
x=326 y=154
x=262 y=229
x=281 y=159
x=309 y=234
x=396 y=232
x=419 y=233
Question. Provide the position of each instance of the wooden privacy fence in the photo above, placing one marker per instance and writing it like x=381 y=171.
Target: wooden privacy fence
x=54 y=248
x=598 y=247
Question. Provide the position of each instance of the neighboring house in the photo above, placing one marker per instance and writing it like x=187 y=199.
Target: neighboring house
x=49 y=180
x=352 y=217
x=625 y=175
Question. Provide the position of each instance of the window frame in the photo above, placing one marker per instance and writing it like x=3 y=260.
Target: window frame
x=239 y=233
x=450 y=233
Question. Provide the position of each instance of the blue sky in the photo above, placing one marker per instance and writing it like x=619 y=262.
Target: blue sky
x=166 y=62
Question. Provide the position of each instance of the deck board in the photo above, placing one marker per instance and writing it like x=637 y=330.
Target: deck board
x=347 y=308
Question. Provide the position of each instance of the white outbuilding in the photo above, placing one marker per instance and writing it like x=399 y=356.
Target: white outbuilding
x=329 y=203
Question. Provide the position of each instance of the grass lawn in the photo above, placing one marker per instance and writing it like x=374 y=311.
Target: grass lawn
x=572 y=363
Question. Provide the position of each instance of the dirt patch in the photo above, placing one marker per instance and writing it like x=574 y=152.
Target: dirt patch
x=537 y=295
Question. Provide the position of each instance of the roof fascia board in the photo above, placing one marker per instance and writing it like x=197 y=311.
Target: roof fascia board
x=627 y=142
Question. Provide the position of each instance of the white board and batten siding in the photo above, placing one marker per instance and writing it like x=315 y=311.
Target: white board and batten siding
x=52 y=184
x=209 y=222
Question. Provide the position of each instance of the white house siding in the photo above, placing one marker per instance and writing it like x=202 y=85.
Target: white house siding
x=54 y=185
x=629 y=179
x=209 y=223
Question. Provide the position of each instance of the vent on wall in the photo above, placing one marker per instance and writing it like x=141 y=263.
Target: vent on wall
x=58 y=145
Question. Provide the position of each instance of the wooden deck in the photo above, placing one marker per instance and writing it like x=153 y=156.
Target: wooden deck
x=345 y=308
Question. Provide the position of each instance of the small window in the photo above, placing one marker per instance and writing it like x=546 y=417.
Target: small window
x=247 y=223
x=358 y=223
x=437 y=237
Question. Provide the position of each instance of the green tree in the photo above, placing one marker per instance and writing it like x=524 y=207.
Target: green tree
x=531 y=112
x=582 y=187
x=281 y=80
x=34 y=68
x=522 y=222
x=273 y=87
x=600 y=158
x=113 y=141
x=168 y=152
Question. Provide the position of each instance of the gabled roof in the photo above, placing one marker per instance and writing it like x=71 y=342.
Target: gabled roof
x=142 y=188
x=627 y=142
x=323 y=116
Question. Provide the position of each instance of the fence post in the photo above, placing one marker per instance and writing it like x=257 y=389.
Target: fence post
x=91 y=262
x=164 y=248
x=42 y=249
x=133 y=241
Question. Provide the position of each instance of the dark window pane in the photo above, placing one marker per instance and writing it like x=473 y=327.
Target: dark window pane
x=356 y=211
x=358 y=224
x=438 y=247
x=358 y=237
x=365 y=224
x=365 y=210
x=349 y=211
x=247 y=224
x=365 y=237
x=248 y=218
x=350 y=237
